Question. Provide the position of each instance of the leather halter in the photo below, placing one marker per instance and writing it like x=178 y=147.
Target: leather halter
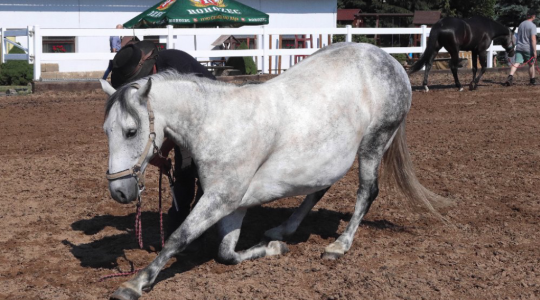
x=135 y=171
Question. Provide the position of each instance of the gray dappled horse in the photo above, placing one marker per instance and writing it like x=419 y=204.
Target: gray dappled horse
x=296 y=134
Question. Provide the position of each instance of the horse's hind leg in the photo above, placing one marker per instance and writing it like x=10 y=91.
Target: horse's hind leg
x=229 y=230
x=289 y=227
x=369 y=158
x=428 y=65
x=454 y=62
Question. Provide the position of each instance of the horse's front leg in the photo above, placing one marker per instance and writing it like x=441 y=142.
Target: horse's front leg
x=472 y=85
x=483 y=64
x=229 y=230
x=210 y=209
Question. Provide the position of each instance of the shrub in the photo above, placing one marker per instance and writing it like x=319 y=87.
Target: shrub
x=401 y=57
x=16 y=72
x=246 y=65
x=337 y=38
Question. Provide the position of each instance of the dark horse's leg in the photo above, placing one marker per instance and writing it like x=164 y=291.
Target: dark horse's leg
x=483 y=64
x=454 y=61
x=428 y=64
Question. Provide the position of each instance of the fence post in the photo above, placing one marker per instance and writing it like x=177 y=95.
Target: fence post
x=348 y=37
x=490 y=56
x=265 y=38
x=2 y=44
x=169 y=36
x=423 y=41
x=38 y=48
x=30 y=43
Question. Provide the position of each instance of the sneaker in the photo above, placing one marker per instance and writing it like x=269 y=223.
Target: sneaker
x=509 y=80
x=532 y=81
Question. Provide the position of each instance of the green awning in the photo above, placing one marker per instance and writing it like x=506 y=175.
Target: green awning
x=198 y=13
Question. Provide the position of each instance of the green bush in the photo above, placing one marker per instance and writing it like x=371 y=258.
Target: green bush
x=16 y=72
x=401 y=57
x=246 y=65
x=338 y=38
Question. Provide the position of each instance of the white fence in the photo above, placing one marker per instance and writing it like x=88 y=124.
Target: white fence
x=264 y=51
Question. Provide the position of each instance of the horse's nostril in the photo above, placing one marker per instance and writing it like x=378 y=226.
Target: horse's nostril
x=121 y=195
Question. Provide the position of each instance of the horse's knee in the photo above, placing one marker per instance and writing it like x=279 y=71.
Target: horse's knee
x=228 y=257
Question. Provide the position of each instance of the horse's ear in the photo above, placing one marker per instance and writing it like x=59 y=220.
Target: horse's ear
x=143 y=91
x=107 y=88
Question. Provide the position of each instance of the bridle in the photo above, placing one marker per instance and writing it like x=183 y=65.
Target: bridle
x=511 y=45
x=135 y=171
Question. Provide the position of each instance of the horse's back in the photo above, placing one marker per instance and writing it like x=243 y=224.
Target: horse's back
x=327 y=104
x=361 y=74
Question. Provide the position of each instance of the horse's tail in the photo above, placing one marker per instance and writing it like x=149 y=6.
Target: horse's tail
x=430 y=48
x=398 y=171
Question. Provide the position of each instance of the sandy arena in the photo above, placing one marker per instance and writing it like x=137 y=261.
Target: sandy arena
x=61 y=231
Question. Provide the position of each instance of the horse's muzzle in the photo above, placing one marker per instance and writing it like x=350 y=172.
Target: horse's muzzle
x=124 y=190
x=511 y=53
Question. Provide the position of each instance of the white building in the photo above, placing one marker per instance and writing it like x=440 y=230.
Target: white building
x=109 y=13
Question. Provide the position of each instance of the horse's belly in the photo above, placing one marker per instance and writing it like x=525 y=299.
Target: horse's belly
x=282 y=178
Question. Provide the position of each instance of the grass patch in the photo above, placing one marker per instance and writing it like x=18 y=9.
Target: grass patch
x=21 y=89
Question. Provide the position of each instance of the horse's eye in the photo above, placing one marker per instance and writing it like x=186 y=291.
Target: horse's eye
x=131 y=133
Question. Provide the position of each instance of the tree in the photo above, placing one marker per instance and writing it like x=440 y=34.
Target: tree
x=246 y=65
x=512 y=12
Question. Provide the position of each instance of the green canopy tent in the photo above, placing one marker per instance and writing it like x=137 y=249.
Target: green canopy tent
x=198 y=13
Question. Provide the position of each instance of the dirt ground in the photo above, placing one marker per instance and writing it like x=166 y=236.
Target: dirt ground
x=61 y=231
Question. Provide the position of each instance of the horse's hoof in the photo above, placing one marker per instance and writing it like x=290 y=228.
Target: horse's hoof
x=334 y=251
x=460 y=89
x=276 y=248
x=426 y=89
x=472 y=86
x=123 y=293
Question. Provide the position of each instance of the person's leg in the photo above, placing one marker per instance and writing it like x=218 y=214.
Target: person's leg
x=184 y=188
x=513 y=68
x=532 y=80
x=109 y=69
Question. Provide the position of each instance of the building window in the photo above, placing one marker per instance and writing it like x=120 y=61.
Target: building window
x=251 y=41
x=58 y=44
x=294 y=41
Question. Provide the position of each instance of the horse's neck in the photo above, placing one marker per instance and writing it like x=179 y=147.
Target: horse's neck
x=184 y=106
x=499 y=30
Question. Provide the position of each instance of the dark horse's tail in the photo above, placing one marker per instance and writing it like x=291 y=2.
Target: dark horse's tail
x=431 y=46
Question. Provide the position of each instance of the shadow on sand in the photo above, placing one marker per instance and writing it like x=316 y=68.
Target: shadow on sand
x=105 y=252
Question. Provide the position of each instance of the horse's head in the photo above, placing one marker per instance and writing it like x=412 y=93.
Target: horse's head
x=129 y=126
x=508 y=43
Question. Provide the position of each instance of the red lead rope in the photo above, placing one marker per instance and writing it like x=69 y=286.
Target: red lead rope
x=531 y=60
x=138 y=228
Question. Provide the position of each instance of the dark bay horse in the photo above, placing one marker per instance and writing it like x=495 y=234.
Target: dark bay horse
x=474 y=34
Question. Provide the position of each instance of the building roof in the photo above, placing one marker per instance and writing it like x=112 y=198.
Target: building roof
x=426 y=17
x=347 y=14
